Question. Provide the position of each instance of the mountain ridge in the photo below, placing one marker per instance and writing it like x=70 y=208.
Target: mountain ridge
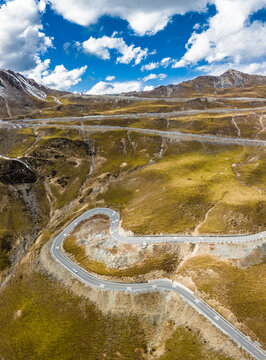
x=229 y=79
x=20 y=95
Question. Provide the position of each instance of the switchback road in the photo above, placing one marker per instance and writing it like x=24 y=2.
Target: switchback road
x=160 y=284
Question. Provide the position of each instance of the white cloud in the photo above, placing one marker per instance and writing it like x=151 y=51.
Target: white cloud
x=150 y=66
x=21 y=36
x=103 y=87
x=101 y=47
x=230 y=36
x=154 y=65
x=148 y=88
x=110 y=78
x=40 y=70
x=60 y=78
x=218 y=69
x=166 y=61
x=154 y=76
x=196 y=27
x=144 y=17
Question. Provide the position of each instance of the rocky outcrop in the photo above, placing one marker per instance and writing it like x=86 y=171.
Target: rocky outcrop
x=13 y=172
x=19 y=95
x=231 y=78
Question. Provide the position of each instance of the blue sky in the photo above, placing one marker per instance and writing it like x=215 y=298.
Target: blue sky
x=120 y=45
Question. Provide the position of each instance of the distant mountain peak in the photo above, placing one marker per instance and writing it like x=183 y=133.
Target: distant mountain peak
x=12 y=82
x=19 y=95
x=208 y=84
x=232 y=72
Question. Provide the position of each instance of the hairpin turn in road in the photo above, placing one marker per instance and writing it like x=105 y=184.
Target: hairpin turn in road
x=160 y=284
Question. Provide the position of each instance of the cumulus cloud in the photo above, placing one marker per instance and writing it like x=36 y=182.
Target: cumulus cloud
x=60 y=78
x=144 y=17
x=22 y=38
x=101 y=47
x=230 y=36
x=116 y=87
x=150 y=66
x=110 y=78
x=218 y=69
x=154 y=76
x=103 y=87
x=148 y=88
x=154 y=65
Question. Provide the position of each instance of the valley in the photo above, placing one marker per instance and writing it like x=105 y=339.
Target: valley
x=190 y=170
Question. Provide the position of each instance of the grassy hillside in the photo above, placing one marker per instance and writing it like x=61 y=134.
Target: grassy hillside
x=240 y=290
x=175 y=193
x=159 y=186
x=41 y=320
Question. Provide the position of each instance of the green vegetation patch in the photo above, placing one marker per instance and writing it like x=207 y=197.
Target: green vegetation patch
x=186 y=344
x=14 y=142
x=144 y=107
x=124 y=151
x=64 y=163
x=16 y=222
x=252 y=171
x=41 y=320
x=174 y=194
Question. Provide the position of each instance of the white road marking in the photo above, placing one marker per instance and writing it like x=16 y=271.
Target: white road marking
x=222 y=324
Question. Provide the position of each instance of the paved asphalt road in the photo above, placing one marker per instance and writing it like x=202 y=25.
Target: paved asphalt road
x=159 y=115
x=173 y=134
x=161 y=284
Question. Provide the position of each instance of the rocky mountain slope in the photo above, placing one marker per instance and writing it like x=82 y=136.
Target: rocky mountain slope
x=208 y=84
x=19 y=95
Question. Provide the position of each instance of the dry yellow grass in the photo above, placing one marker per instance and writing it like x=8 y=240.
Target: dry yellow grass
x=241 y=290
x=174 y=194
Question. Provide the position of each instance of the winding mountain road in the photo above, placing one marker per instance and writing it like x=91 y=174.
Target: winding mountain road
x=160 y=284
x=173 y=134
x=148 y=114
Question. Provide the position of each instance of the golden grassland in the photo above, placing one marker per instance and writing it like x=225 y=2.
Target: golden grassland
x=154 y=195
x=242 y=290
x=40 y=319
x=14 y=142
x=220 y=124
x=63 y=160
x=174 y=194
x=120 y=148
x=81 y=106
x=186 y=344
x=217 y=124
x=16 y=222
x=169 y=195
